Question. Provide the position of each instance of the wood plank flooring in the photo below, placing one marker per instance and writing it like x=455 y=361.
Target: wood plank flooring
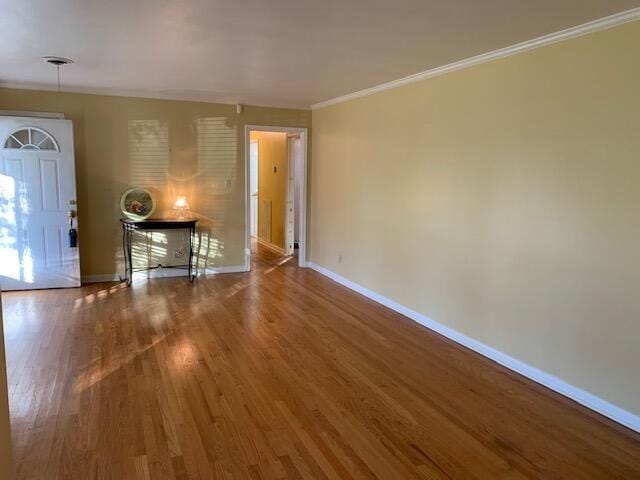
x=280 y=373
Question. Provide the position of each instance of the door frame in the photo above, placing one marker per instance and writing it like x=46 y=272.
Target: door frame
x=257 y=142
x=289 y=216
x=304 y=138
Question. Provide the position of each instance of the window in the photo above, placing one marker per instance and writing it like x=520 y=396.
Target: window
x=31 y=138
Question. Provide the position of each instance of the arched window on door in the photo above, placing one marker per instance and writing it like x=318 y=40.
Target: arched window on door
x=31 y=138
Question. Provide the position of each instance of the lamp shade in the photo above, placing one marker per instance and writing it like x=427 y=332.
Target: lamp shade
x=181 y=203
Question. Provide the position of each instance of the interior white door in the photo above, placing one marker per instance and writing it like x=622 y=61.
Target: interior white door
x=253 y=186
x=290 y=203
x=37 y=192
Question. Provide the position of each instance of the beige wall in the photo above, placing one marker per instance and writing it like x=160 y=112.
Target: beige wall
x=197 y=148
x=502 y=201
x=272 y=152
x=6 y=468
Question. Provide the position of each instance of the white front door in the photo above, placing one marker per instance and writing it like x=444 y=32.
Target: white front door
x=37 y=192
x=253 y=186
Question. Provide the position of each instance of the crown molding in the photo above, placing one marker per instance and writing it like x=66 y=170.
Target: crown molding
x=144 y=94
x=573 y=32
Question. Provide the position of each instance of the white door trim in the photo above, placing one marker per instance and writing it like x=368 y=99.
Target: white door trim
x=254 y=219
x=18 y=113
x=304 y=135
x=290 y=198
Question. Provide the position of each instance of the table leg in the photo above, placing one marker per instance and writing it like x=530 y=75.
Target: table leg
x=130 y=256
x=124 y=253
x=192 y=237
x=206 y=258
x=149 y=240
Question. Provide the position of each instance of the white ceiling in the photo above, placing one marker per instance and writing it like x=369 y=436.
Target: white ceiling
x=263 y=52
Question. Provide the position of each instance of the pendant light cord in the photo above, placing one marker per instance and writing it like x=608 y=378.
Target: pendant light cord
x=57 y=62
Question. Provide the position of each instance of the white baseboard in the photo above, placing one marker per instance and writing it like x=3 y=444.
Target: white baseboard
x=229 y=269
x=583 y=397
x=106 y=277
x=162 y=273
x=271 y=246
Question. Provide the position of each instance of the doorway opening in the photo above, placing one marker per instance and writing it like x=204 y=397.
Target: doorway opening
x=276 y=180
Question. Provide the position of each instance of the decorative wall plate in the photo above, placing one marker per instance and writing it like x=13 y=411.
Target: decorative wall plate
x=137 y=203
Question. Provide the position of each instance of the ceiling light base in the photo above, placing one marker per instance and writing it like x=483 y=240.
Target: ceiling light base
x=57 y=61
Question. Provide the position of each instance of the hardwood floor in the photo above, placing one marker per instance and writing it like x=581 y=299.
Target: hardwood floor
x=279 y=373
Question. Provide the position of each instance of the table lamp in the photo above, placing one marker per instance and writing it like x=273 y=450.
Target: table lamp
x=181 y=205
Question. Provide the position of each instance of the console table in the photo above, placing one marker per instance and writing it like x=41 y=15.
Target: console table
x=153 y=224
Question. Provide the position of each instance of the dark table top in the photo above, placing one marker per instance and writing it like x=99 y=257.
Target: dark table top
x=160 y=223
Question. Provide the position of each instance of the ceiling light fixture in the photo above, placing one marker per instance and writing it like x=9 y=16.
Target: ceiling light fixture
x=57 y=62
